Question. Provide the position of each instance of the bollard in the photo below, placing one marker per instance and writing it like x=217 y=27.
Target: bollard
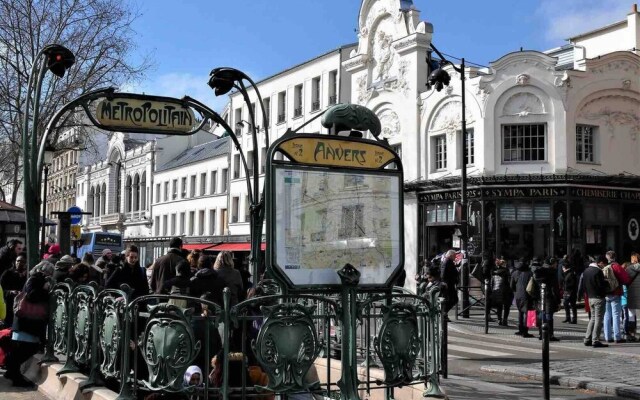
x=487 y=306
x=464 y=279
x=545 y=342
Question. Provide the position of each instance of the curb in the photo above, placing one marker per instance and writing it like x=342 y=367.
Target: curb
x=574 y=382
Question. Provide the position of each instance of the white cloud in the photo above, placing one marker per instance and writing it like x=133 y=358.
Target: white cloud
x=178 y=85
x=566 y=18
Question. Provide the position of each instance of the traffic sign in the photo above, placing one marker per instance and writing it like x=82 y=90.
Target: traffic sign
x=76 y=214
x=75 y=232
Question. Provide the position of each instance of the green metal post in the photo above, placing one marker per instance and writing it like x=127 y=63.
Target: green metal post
x=125 y=388
x=433 y=380
x=348 y=383
x=226 y=295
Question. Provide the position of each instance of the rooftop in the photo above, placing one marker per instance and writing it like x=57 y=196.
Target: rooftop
x=198 y=153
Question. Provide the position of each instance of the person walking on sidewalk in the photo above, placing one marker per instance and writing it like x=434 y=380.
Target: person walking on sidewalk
x=616 y=276
x=570 y=293
x=519 y=281
x=595 y=286
x=501 y=296
x=546 y=274
x=633 y=296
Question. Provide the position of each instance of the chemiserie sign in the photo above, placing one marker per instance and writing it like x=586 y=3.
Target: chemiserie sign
x=122 y=113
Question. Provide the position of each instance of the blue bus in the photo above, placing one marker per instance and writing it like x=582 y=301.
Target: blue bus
x=95 y=242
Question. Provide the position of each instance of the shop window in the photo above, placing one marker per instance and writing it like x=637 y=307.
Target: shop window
x=525 y=212
x=443 y=212
x=585 y=143
x=523 y=143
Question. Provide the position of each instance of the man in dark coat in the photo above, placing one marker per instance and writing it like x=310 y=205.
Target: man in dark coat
x=12 y=282
x=449 y=274
x=570 y=293
x=206 y=281
x=596 y=288
x=546 y=274
x=519 y=281
x=130 y=273
x=9 y=253
x=165 y=267
x=501 y=295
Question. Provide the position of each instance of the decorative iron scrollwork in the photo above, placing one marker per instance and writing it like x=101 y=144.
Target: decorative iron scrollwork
x=110 y=334
x=83 y=326
x=60 y=320
x=286 y=346
x=168 y=346
x=398 y=343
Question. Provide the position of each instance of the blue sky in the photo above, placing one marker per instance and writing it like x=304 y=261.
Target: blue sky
x=188 y=38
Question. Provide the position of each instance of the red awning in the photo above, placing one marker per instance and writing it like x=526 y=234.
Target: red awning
x=238 y=246
x=197 y=246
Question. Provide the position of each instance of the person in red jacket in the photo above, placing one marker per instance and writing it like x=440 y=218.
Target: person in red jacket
x=613 y=305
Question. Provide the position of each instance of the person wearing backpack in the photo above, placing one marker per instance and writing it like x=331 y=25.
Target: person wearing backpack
x=179 y=284
x=501 y=295
x=615 y=276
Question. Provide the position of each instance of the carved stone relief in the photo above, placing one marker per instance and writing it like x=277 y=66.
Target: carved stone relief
x=522 y=79
x=390 y=124
x=614 y=111
x=383 y=55
x=523 y=104
x=448 y=118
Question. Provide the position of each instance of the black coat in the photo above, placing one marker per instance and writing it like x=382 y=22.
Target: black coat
x=594 y=282
x=550 y=278
x=132 y=275
x=519 y=281
x=164 y=269
x=500 y=286
x=207 y=280
x=570 y=283
x=7 y=258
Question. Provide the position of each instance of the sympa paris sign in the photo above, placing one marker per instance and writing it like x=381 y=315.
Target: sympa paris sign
x=128 y=112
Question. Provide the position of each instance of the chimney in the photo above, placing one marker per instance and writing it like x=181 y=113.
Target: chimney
x=634 y=8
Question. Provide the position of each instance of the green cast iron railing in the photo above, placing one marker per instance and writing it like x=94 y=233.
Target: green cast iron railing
x=144 y=345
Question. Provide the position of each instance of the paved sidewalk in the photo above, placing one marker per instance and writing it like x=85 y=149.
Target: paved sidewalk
x=611 y=370
x=8 y=392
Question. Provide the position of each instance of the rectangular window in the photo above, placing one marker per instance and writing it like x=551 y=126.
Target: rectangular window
x=585 y=143
x=282 y=107
x=192 y=188
x=297 y=101
x=235 y=203
x=212 y=222
x=203 y=184
x=173 y=224
x=183 y=187
x=225 y=180
x=236 y=166
x=263 y=160
x=333 y=87
x=470 y=155
x=522 y=143
x=352 y=223
x=440 y=152
x=157 y=222
x=157 y=193
x=183 y=229
x=247 y=212
x=315 y=94
x=214 y=182
x=165 y=226
x=267 y=111
x=201 y=222
x=250 y=162
x=192 y=222
x=238 y=118
x=174 y=189
x=166 y=191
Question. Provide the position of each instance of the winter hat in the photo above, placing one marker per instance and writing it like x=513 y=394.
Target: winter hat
x=54 y=249
x=106 y=252
x=43 y=267
x=65 y=261
x=194 y=369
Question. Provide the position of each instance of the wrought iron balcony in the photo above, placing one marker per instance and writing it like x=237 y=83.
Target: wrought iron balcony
x=281 y=118
x=234 y=219
x=110 y=219
x=315 y=106
x=333 y=99
x=297 y=112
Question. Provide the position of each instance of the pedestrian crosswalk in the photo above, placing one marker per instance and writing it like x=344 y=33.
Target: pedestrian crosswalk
x=461 y=348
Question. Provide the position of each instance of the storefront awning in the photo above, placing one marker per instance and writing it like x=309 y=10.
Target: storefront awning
x=239 y=246
x=197 y=246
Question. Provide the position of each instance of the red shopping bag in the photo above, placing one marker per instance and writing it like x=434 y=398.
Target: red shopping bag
x=531 y=319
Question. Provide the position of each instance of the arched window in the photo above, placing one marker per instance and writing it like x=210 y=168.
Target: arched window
x=127 y=193
x=103 y=199
x=96 y=201
x=136 y=193
x=118 y=172
x=143 y=191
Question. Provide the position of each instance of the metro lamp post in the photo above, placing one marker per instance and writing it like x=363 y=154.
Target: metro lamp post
x=57 y=59
x=222 y=80
x=439 y=78
x=49 y=151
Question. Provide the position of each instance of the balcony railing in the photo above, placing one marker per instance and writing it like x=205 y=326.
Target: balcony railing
x=234 y=219
x=236 y=174
x=111 y=219
x=281 y=118
x=333 y=99
x=315 y=106
x=297 y=112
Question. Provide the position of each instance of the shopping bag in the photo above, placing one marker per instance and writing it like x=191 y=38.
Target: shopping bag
x=531 y=319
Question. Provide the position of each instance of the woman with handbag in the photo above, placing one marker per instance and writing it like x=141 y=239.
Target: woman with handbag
x=31 y=309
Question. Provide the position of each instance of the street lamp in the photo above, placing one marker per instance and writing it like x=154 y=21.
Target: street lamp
x=222 y=80
x=240 y=124
x=57 y=59
x=438 y=79
x=49 y=152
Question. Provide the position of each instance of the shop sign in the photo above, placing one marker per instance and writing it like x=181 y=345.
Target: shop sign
x=140 y=113
x=612 y=194
x=633 y=229
x=337 y=153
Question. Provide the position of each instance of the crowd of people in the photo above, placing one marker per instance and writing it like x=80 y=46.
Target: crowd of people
x=609 y=289
x=25 y=299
